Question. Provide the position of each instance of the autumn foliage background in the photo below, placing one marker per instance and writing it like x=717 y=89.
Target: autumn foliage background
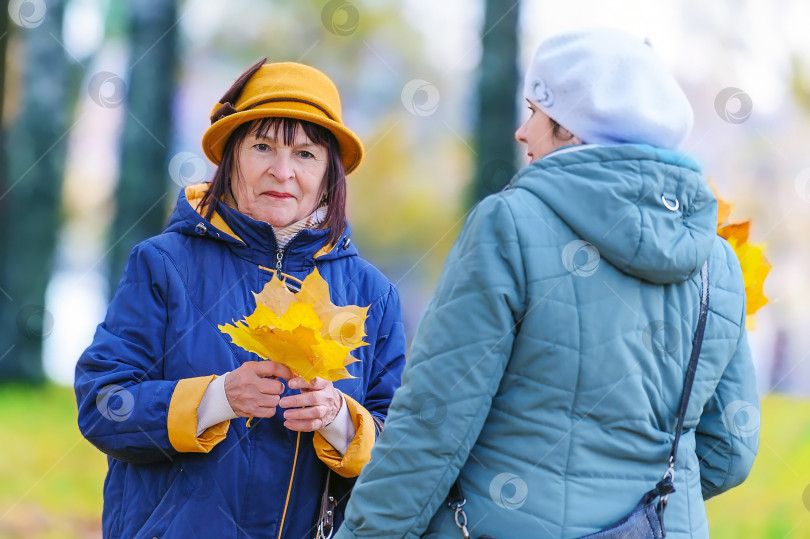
x=409 y=74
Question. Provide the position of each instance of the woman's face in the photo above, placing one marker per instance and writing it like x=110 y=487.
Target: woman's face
x=537 y=133
x=276 y=183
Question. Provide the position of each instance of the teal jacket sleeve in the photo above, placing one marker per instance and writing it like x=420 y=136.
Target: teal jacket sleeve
x=727 y=436
x=457 y=360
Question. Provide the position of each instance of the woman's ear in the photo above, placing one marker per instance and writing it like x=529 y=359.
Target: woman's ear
x=568 y=136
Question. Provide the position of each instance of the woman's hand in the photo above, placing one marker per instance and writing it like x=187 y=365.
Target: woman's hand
x=253 y=389
x=316 y=406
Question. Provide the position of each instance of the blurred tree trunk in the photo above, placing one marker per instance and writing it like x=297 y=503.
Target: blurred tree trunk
x=497 y=90
x=32 y=196
x=4 y=297
x=141 y=195
x=4 y=37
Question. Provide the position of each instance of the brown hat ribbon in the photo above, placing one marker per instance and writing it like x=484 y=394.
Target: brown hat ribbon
x=233 y=93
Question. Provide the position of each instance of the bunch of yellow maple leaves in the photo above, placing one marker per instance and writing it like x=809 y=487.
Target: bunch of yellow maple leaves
x=754 y=266
x=304 y=331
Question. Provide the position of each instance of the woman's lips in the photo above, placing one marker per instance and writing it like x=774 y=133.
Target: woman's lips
x=276 y=194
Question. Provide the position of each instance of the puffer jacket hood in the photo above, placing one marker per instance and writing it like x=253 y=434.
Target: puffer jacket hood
x=648 y=211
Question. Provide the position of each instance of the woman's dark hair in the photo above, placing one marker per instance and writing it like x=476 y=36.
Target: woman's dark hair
x=333 y=189
x=557 y=129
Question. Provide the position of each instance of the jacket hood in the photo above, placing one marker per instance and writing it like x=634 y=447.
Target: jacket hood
x=246 y=234
x=647 y=211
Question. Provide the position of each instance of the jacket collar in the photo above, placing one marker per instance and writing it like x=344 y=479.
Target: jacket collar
x=251 y=239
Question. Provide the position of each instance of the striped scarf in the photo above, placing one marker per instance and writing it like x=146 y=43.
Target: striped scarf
x=286 y=233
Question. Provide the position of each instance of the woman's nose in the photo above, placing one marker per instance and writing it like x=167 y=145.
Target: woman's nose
x=281 y=167
x=520 y=134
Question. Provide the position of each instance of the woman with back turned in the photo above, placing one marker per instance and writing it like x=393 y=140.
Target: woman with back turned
x=547 y=373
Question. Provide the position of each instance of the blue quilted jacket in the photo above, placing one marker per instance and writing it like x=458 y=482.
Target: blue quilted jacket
x=139 y=383
x=548 y=369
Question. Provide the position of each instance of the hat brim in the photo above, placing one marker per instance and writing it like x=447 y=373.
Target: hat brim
x=214 y=139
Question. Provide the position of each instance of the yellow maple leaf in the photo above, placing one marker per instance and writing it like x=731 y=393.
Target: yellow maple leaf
x=304 y=331
x=343 y=324
x=723 y=211
x=244 y=336
x=736 y=231
x=276 y=296
x=755 y=270
x=754 y=266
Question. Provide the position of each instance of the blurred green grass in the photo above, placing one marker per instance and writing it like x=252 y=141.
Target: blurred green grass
x=774 y=502
x=51 y=479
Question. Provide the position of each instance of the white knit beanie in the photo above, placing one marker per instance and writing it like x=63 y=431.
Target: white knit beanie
x=608 y=87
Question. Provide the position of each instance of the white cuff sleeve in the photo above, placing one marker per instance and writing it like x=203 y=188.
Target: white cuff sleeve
x=340 y=432
x=214 y=407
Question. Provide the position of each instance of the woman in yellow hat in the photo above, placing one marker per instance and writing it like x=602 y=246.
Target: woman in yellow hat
x=167 y=395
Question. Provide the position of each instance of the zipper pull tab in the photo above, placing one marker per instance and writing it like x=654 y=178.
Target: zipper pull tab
x=279 y=258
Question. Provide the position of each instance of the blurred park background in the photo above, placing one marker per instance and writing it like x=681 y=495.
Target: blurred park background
x=104 y=104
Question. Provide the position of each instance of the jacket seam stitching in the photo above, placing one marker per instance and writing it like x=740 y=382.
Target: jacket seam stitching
x=524 y=294
x=378 y=376
x=573 y=404
x=353 y=277
x=640 y=214
x=162 y=358
x=192 y=302
x=371 y=374
x=729 y=435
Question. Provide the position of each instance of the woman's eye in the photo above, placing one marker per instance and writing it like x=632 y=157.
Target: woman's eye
x=262 y=147
x=306 y=155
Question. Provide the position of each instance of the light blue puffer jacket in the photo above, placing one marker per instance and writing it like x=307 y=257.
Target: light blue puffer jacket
x=548 y=371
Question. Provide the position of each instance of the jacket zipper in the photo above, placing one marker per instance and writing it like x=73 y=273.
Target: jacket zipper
x=279 y=259
x=281 y=252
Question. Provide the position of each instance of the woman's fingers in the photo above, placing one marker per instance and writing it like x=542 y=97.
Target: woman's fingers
x=313 y=412
x=298 y=382
x=267 y=401
x=306 y=419
x=315 y=407
x=257 y=405
x=310 y=398
x=269 y=386
x=307 y=425
x=269 y=368
x=262 y=406
x=252 y=390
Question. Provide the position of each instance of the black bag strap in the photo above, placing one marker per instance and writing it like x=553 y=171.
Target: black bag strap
x=329 y=503
x=693 y=360
x=327 y=511
x=456 y=501
x=666 y=485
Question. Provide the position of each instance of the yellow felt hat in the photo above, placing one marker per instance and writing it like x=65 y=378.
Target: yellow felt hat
x=281 y=90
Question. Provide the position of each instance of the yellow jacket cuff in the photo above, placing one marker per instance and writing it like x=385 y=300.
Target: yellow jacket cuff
x=359 y=451
x=182 y=420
